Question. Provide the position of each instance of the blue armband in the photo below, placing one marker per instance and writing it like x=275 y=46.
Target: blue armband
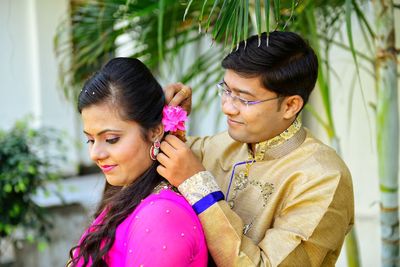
x=207 y=201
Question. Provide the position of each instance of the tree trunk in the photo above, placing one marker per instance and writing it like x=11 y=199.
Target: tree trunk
x=387 y=123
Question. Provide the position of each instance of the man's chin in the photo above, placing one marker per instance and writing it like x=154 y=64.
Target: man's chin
x=239 y=137
x=244 y=137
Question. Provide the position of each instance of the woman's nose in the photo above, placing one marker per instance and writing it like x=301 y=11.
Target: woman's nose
x=97 y=152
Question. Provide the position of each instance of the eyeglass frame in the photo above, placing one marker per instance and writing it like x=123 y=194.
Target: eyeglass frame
x=223 y=90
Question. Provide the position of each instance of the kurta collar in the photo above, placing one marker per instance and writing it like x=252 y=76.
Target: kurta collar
x=281 y=144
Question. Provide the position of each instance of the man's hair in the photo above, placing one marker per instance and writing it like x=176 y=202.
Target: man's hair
x=286 y=64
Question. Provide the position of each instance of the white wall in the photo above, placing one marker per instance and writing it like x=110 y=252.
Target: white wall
x=28 y=69
x=16 y=61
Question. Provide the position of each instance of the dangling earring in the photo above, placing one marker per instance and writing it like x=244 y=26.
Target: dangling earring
x=154 y=150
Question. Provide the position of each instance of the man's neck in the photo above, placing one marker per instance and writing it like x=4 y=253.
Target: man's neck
x=253 y=145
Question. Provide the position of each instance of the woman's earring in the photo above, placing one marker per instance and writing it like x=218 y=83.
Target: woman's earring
x=154 y=150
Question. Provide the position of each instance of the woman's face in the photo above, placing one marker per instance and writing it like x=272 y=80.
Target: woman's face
x=117 y=146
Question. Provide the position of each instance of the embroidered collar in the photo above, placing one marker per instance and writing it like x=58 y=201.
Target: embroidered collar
x=262 y=147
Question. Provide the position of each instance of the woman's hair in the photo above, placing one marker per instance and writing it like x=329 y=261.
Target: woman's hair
x=129 y=86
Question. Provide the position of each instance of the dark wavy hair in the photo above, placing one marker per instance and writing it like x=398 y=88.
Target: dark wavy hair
x=127 y=84
x=284 y=61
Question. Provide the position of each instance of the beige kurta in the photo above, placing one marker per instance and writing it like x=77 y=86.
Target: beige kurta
x=293 y=209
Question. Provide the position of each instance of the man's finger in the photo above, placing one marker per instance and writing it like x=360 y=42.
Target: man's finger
x=171 y=90
x=163 y=159
x=174 y=142
x=167 y=148
x=184 y=93
x=161 y=170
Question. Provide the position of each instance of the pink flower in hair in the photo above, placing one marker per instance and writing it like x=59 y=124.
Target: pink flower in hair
x=174 y=118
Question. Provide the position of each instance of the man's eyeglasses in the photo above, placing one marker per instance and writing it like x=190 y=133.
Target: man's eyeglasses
x=224 y=92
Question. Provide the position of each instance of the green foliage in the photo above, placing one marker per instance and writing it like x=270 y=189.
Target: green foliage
x=153 y=30
x=26 y=163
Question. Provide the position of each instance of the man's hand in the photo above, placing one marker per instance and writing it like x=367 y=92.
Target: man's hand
x=178 y=94
x=178 y=162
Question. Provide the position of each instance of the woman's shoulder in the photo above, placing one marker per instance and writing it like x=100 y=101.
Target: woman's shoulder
x=165 y=225
x=168 y=200
x=164 y=206
x=166 y=214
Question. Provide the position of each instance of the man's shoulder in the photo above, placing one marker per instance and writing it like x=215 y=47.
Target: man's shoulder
x=219 y=139
x=323 y=155
x=316 y=145
x=223 y=143
x=217 y=136
x=217 y=148
x=223 y=137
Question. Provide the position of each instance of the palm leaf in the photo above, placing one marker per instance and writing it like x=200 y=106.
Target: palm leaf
x=97 y=25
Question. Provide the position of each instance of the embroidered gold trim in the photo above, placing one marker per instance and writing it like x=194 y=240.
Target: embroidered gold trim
x=266 y=190
x=262 y=147
x=198 y=186
x=240 y=182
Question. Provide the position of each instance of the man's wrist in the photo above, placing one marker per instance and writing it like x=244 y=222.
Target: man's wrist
x=201 y=191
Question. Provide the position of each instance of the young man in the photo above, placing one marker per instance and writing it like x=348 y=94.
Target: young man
x=266 y=191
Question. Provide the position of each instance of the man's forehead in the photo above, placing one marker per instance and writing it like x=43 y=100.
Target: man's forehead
x=242 y=83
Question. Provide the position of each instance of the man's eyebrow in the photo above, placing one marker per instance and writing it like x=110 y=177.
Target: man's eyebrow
x=241 y=91
x=104 y=131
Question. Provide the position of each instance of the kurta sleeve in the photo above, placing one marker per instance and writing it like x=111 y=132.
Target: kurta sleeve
x=163 y=233
x=313 y=220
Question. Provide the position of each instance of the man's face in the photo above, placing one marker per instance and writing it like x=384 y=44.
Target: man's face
x=252 y=123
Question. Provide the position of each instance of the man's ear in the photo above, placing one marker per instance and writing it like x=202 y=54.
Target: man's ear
x=292 y=106
x=157 y=133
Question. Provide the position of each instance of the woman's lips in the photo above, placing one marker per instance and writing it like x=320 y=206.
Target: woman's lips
x=107 y=168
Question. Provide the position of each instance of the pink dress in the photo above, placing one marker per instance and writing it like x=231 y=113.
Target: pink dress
x=162 y=231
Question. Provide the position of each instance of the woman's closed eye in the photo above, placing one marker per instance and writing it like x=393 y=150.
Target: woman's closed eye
x=109 y=140
x=112 y=140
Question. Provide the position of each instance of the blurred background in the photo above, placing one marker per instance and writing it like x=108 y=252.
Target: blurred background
x=48 y=187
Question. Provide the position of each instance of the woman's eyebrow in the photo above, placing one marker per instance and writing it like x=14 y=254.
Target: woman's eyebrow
x=104 y=131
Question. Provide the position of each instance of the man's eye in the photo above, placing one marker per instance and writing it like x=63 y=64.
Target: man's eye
x=227 y=92
x=112 y=140
x=89 y=141
x=244 y=101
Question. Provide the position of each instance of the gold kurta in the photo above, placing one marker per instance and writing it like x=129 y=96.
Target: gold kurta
x=293 y=208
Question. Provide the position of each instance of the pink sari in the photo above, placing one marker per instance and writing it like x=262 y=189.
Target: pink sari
x=162 y=231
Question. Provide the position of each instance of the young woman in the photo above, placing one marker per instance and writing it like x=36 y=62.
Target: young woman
x=141 y=220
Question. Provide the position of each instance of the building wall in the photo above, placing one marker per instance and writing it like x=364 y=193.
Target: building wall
x=29 y=70
x=16 y=69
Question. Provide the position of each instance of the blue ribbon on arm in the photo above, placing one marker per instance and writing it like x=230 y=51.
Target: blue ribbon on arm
x=207 y=201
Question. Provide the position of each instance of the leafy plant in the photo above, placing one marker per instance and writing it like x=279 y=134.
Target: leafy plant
x=153 y=31
x=27 y=162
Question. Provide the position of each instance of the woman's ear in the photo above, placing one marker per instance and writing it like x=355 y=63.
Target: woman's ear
x=292 y=106
x=157 y=133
